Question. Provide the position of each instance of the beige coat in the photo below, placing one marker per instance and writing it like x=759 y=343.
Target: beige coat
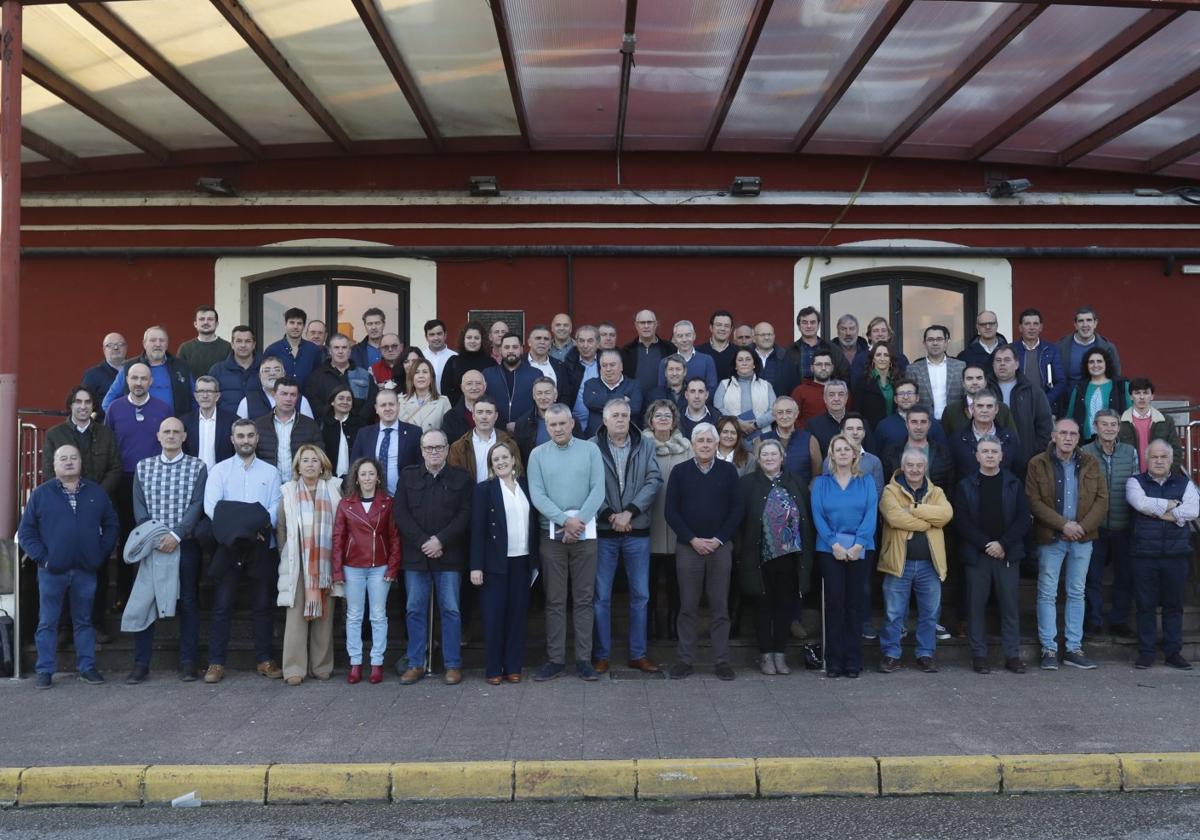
x=287 y=536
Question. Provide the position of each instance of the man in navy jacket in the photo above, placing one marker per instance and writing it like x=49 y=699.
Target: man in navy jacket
x=511 y=382
x=403 y=440
x=68 y=529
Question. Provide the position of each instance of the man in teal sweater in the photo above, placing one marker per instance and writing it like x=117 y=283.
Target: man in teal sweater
x=566 y=485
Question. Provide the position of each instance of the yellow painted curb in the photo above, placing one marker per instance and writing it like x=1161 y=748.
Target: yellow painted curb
x=818 y=777
x=212 y=783
x=115 y=785
x=695 y=778
x=329 y=783
x=10 y=782
x=576 y=779
x=1160 y=771
x=909 y=775
x=490 y=781
x=1035 y=773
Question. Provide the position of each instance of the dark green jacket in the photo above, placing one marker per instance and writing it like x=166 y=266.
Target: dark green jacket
x=755 y=487
x=97 y=448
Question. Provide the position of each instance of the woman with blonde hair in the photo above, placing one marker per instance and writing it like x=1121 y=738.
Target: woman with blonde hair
x=420 y=404
x=305 y=538
x=845 y=506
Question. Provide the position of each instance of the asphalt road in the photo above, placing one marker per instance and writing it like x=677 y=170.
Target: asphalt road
x=1148 y=816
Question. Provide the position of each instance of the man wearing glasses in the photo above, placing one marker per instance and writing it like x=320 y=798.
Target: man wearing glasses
x=209 y=428
x=134 y=419
x=389 y=348
x=987 y=339
x=938 y=377
x=433 y=512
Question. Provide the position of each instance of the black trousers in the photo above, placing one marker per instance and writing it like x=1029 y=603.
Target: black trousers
x=843 y=612
x=983 y=574
x=505 y=604
x=773 y=609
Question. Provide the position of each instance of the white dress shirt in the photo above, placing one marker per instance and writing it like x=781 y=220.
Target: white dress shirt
x=545 y=367
x=283 y=449
x=206 y=447
x=516 y=517
x=937 y=384
x=481 y=451
x=438 y=359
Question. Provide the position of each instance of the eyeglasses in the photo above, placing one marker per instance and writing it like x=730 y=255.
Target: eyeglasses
x=210 y=391
x=438 y=448
x=985 y=323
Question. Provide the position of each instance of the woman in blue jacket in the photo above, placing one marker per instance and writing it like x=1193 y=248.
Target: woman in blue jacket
x=504 y=553
x=844 y=507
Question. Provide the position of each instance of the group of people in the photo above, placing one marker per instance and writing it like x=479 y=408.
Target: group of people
x=730 y=470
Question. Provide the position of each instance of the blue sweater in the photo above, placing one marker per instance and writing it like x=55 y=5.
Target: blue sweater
x=850 y=511
x=704 y=505
x=60 y=539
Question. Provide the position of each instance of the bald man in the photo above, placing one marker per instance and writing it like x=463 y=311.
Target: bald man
x=168 y=489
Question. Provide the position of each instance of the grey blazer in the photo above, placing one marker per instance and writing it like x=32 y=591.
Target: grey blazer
x=918 y=372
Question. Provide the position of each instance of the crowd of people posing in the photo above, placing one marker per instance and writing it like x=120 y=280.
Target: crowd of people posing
x=734 y=472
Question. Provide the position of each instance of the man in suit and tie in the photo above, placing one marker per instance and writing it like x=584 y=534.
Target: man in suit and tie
x=394 y=444
x=938 y=377
x=208 y=429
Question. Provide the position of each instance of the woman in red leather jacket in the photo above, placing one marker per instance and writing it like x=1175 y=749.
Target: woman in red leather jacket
x=366 y=559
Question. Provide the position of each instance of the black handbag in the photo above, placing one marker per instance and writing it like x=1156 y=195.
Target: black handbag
x=8 y=652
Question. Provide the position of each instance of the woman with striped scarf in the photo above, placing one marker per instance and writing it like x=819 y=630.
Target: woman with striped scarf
x=305 y=537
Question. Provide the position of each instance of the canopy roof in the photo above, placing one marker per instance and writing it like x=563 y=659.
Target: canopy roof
x=1106 y=84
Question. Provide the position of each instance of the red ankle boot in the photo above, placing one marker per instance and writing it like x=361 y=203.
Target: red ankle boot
x=376 y=675
x=355 y=675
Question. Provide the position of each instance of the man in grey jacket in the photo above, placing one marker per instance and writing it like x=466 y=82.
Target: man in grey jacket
x=1118 y=461
x=631 y=482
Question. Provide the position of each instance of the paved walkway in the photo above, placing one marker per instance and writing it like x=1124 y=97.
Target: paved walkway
x=248 y=719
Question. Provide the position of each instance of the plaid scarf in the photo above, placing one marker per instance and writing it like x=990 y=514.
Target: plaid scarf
x=316 y=545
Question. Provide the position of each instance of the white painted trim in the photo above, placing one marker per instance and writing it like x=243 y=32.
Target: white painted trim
x=232 y=277
x=992 y=276
x=320 y=226
x=666 y=198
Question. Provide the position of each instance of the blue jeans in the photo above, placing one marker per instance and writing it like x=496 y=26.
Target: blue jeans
x=79 y=588
x=188 y=612
x=636 y=553
x=419 y=585
x=1078 y=557
x=1110 y=547
x=360 y=585
x=920 y=579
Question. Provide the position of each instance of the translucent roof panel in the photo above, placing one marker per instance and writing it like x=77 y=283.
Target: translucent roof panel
x=330 y=49
x=568 y=59
x=799 y=52
x=1052 y=45
x=1154 y=65
x=451 y=50
x=1157 y=134
x=197 y=40
x=685 y=53
x=78 y=51
x=929 y=42
x=47 y=115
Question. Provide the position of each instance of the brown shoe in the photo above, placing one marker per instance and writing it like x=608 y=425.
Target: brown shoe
x=600 y=666
x=294 y=680
x=214 y=674
x=513 y=678
x=411 y=676
x=270 y=670
x=493 y=680
x=643 y=664
x=453 y=676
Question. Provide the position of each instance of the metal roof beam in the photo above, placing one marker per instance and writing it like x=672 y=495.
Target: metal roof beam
x=754 y=28
x=871 y=41
x=376 y=26
x=1174 y=154
x=500 y=19
x=1171 y=5
x=48 y=149
x=117 y=31
x=82 y=101
x=1139 y=113
x=988 y=48
x=1103 y=58
x=237 y=17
